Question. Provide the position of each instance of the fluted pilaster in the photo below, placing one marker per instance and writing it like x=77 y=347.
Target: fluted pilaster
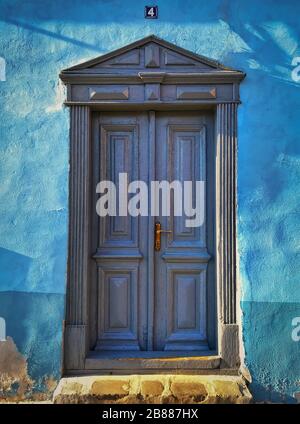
x=76 y=314
x=227 y=146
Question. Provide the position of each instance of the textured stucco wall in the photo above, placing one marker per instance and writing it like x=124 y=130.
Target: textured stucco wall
x=37 y=40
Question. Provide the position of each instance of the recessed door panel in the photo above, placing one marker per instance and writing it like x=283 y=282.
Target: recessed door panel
x=118 y=306
x=186 y=164
x=119 y=154
x=186 y=307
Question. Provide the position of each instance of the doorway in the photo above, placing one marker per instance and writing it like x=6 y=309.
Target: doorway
x=148 y=297
x=154 y=111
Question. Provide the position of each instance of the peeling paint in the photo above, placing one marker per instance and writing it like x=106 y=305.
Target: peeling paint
x=35 y=321
x=15 y=382
x=14 y=379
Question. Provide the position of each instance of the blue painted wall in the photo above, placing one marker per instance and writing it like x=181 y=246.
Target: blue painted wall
x=37 y=40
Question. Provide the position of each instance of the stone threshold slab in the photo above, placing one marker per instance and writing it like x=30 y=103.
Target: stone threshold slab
x=139 y=362
x=161 y=389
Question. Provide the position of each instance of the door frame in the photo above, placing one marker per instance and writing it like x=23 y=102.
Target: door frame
x=98 y=86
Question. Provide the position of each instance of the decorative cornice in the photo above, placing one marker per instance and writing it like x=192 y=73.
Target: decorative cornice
x=152 y=77
x=71 y=77
x=146 y=105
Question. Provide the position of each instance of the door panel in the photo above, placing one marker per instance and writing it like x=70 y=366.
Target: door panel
x=186 y=162
x=121 y=146
x=186 y=307
x=119 y=154
x=118 y=307
x=180 y=265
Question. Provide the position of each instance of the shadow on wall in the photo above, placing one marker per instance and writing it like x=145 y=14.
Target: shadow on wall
x=53 y=34
x=14 y=269
x=270 y=48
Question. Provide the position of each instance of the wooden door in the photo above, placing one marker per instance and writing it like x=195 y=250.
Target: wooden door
x=120 y=146
x=167 y=308
x=180 y=306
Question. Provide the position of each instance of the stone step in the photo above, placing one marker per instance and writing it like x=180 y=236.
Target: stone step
x=161 y=389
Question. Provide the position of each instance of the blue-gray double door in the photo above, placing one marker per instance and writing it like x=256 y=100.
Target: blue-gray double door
x=147 y=299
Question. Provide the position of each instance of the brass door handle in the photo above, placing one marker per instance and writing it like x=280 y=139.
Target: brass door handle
x=157 y=237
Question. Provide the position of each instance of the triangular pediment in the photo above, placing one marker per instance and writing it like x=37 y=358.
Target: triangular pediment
x=150 y=53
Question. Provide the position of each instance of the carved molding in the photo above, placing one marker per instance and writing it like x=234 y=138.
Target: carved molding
x=196 y=93
x=152 y=56
x=76 y=303
x=152 y=92
x=152 y=77
x=77 y=77
x=109 y=93
x=78 y=204
x=175 y=59
x=227 y=145
x=130 y=58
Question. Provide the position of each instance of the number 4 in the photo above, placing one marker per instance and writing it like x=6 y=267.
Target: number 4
x=151 y=12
